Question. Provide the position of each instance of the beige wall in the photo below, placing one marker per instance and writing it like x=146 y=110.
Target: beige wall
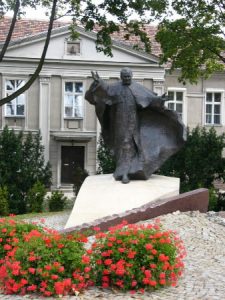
x=32 y=107
x=55 y=102
x=195 y=97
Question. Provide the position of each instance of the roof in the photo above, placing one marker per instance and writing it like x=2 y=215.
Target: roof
x=27 y=28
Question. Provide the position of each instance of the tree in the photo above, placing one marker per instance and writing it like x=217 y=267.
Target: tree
x=16 y=7
x=106 y=17
x=22 y=165
x=106 y=161
x=195 y=41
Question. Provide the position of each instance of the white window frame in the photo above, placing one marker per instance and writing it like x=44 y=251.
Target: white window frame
x=184 y=102
x=14 y=100
x=65 y=117
x=222 y=106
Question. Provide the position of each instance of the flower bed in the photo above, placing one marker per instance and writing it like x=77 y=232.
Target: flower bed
x=128 y=257
x=137 y=257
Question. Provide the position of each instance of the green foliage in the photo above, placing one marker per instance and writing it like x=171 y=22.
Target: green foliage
x=56 y=201
x=213 y=199
x=195 y=39
x=78 y=178
x=35 y=197
x=199 y=162
x=106 y=162
x=4 y=196
x=21 y=166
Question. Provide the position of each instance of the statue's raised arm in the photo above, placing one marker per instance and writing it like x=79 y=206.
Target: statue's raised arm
x=95 y=76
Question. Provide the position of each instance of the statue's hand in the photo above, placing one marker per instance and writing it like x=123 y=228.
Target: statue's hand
x=95 y=76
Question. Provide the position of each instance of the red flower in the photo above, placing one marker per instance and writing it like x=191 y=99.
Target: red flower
x=131 y=254
x=7 y=247
x=120 y=271
x=121 y=250
x=152 y=282
x=163 y=257
x=54 y=277
x=85 y=259
x=61 y=269
x=96 y=228
x=32 y=288
x=162 y=275
x=108 y=262
x=154 y=251
x=59 y=287
x=148 y=247
x=23 y=281
x=162 y=281
x=87 y=269
x=148 y=273
x=105 y=278
x=105 y=285
x=145 y=280
x=31 y=270
x=133 y=283
x=32 y=258
x=99 y=262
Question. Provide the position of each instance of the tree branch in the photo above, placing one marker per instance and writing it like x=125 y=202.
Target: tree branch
x=8 y=38
x=41 y=62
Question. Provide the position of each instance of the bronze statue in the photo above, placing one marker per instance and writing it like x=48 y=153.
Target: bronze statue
x=140 y=131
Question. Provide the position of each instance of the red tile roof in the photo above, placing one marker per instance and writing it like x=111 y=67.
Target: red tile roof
x=25 y=27
x=28 y=28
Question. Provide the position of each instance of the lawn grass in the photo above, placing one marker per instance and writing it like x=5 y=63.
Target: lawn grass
x=39 y=215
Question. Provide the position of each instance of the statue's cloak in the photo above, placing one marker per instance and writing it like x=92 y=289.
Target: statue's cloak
x=161 y=132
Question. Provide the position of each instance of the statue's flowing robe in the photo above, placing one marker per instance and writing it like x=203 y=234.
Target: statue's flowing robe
x=136 y=126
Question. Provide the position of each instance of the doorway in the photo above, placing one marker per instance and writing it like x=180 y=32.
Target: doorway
x=71 y=158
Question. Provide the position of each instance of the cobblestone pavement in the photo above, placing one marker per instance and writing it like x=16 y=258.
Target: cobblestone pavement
x=203 y=279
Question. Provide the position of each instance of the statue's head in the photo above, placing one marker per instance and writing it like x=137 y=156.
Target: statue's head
x=126 y=76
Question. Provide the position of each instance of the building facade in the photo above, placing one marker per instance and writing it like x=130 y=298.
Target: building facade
x=55 y=103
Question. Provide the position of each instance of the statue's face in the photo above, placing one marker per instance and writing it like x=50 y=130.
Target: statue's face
x=126 y=78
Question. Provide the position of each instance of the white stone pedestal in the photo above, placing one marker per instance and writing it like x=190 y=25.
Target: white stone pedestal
x=101 y=196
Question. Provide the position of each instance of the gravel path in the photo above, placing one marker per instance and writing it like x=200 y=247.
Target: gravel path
x=204 y=238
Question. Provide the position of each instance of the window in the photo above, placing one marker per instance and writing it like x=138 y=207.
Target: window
x=73 y=47
x=176 y=99
x=73 y=100
x=213 y=108
x=17 y=105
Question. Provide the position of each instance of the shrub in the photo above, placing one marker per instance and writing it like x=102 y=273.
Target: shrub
x=35 y=197
x=136 y=257
x=199 y=162
x=57 y=201
x=4 y=196
x=105 y=159
x=34 y=260
x=79 y=177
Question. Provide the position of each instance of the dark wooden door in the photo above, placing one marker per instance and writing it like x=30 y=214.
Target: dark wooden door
x=71 y=157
